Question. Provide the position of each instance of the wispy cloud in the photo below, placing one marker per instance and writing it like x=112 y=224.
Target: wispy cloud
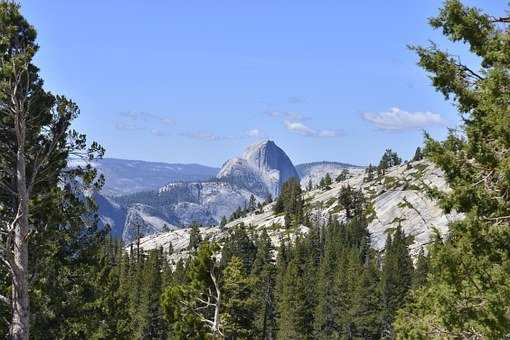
x=296 y=100
x=302 y=129
x=297 y=123
x=213 y=137
x=153 y=123
x=254 y=133
x=396 y=119
x=207 y=136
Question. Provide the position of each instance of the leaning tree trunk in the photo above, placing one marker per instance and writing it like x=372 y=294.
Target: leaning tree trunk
x=19 y=329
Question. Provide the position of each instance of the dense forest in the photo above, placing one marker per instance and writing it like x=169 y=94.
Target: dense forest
x=63 y=278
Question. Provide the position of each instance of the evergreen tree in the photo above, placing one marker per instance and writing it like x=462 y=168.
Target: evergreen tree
x=309 y=187
x=467 y=292
x=155 y=327
x=240 y=245
x=370 y=173
x=264 y=278
x=39 y=192
x=352 y=201
x=422 y=269
x=396 y=278
x=112 y=304
x=238 y=311
x=327 y=181
x=343 y=175
x=418 y=155
x=193 y=308
x=194 y=237
x=388 y=160
x=252 y=205
x=223 y=222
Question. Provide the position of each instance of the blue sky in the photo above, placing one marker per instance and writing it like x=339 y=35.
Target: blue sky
x=197 y=81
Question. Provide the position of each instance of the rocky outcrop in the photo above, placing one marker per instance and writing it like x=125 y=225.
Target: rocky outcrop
x=263 y=169
x=398 y=197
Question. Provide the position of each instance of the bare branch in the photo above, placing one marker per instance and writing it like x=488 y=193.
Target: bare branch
x=5 y=300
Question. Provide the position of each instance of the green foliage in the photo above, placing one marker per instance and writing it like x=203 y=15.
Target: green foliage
x=343 y=175
x=290 y=201
x=194 y=237
x=369 y=171
x=352 y=201
x=467 y=292
x=418 y=155
x=396 y=277
x=238 y=311
x=388 y=160
x=239 y=244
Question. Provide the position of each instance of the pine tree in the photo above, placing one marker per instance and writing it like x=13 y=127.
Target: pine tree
x=39 y=192
x=370 y=173
x=467 y=292
x=418 y=155
x=113 y=301
x=264 y=277
x=422 y=269
x=153 y=287
x=396 y=278
x=252 y=205
x=223 y=222
x=388 y=160
x=193 y=308
x=343 y=175
x=194 y=237
x=238 y=311
x=240 y=245
x=352 y=201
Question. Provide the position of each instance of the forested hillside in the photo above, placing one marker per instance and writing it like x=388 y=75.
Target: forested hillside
x=415 y=249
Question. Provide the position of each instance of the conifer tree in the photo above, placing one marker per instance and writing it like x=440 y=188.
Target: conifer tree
x=240 y=245
x=467 y=293
x=153 y=287
x=343 y=175
x=39 y=192
x=194 y=237
x=264 y=278
x=238 y=310
x=396 y=278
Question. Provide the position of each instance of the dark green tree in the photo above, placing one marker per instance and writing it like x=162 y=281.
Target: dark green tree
x=467 y=293
x=343 y=175
x=264 y=282
x=388 y=160
x=418 y=155
x=238 y=310
x=396 y=278
x=195 y=238
x=42 y=203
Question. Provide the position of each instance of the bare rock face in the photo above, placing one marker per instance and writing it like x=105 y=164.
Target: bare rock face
x=398 y=197
x=263 y=169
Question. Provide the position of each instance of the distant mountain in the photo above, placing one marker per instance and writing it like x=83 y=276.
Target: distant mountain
x=128 y=176
x=316 y=170
x=398 y=198
x=263 y=169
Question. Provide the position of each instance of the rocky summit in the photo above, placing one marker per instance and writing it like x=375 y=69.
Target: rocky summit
x=397 y=198
x=260 y=173
x=263 y=169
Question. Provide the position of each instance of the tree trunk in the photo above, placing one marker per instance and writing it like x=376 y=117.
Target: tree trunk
x=19 y=329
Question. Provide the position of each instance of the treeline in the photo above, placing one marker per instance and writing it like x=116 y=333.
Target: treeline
x=327 y=283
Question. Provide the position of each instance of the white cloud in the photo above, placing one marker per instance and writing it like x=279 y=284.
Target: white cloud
x=207 y=136
x=396 y=119
x=302 y=129
x=253 y=133
x=299 y=128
